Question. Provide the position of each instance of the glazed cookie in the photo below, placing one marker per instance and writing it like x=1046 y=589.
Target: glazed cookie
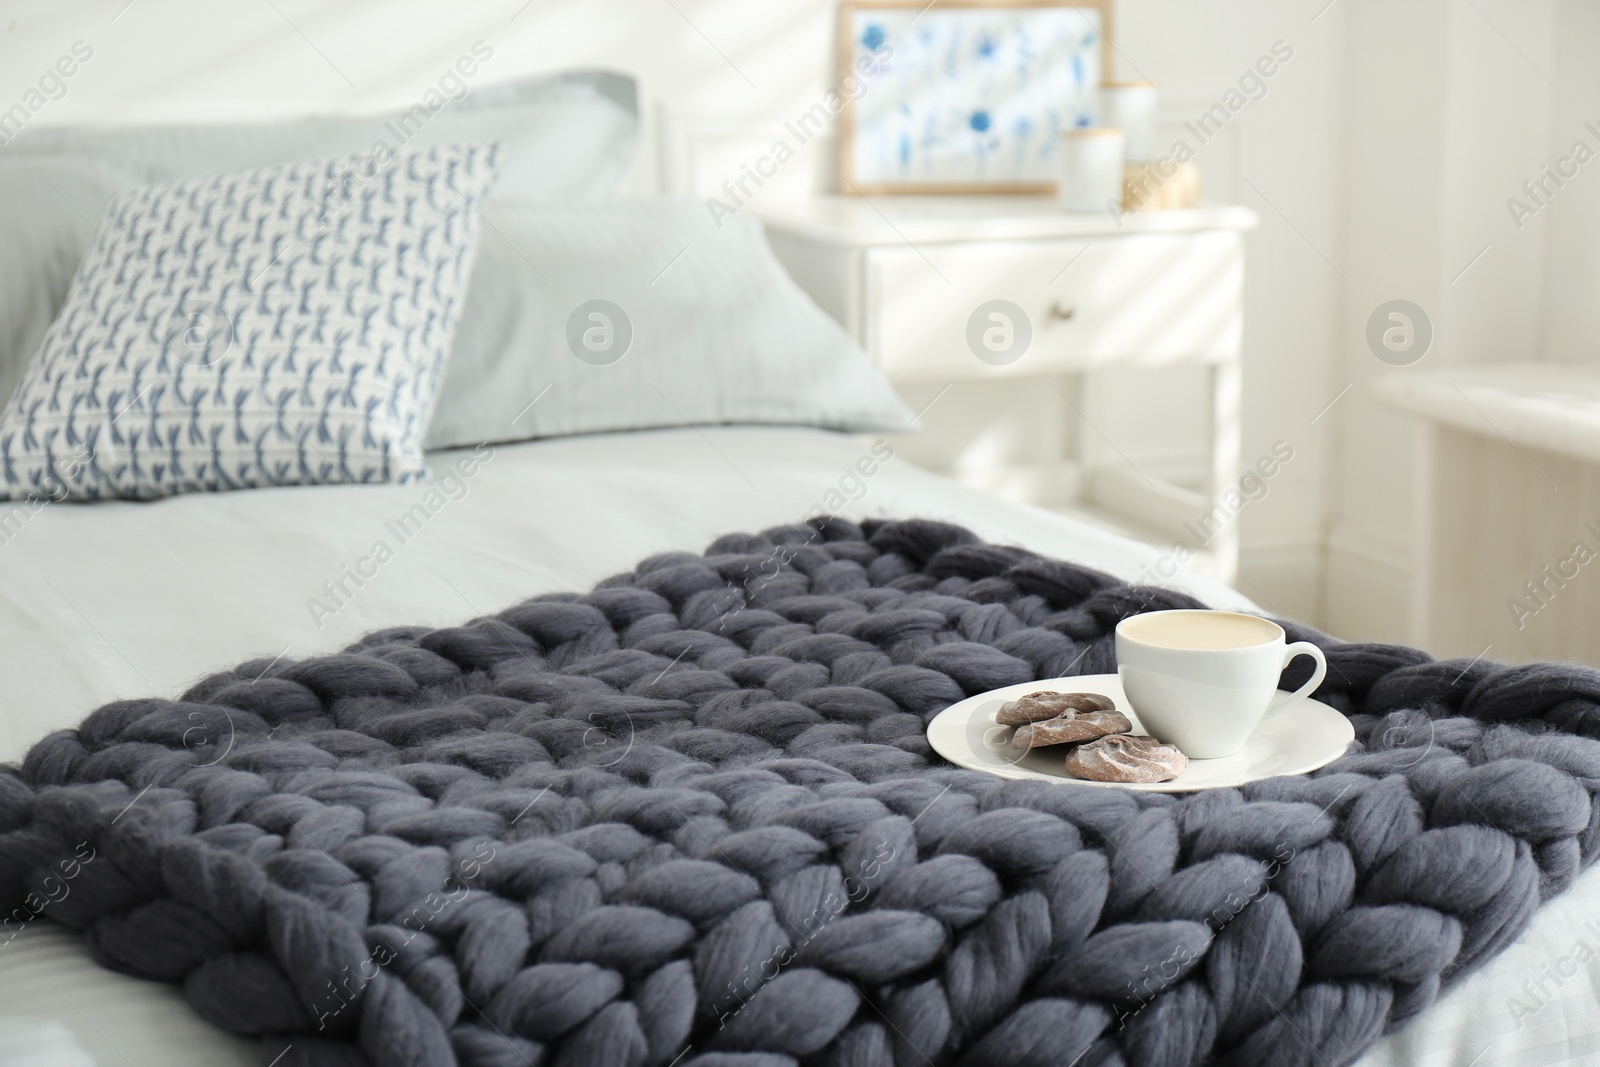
x=1133 y=758
x=1071 y=728
x=1036 y=707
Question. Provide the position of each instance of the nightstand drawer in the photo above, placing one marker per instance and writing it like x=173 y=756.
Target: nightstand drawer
x=1128 y=299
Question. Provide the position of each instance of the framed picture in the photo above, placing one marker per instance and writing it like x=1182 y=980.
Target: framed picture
x=965 y=96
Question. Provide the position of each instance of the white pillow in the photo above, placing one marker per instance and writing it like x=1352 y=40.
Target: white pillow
x=280 y=326
x=644 y=313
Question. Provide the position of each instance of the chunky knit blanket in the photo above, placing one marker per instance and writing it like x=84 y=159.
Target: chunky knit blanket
x=691 y=818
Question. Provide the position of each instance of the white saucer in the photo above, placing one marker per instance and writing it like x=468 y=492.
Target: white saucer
x=1295 y=738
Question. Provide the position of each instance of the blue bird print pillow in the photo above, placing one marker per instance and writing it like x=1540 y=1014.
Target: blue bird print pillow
x=281 y=326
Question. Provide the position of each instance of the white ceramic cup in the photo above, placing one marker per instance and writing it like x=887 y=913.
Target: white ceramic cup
x=1203 y=680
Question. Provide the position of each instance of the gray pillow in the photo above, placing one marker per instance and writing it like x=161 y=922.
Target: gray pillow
x=563 y=136
x=568 y=136
x=49 y=208
x=643 y=313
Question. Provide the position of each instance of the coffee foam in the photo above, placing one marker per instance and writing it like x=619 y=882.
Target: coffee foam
x=1199 y=630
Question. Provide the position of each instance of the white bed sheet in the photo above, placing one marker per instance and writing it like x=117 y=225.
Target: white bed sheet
x=116 y=600
x=105 y=601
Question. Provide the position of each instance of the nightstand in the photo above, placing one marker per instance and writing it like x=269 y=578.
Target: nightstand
x=920 y=281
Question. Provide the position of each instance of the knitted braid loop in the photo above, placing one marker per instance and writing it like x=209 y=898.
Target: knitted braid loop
x=691 y=817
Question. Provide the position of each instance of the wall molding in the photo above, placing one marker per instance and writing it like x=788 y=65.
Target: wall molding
x=698 y=153
x=1284 y=574
x=1368 y=592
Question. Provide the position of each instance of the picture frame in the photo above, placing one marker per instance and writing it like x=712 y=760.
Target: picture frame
x=1022 y=70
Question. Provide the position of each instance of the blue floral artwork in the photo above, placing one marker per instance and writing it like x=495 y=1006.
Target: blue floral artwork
x=969 y=96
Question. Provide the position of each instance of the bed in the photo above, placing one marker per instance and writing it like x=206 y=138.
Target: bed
x=197 y=581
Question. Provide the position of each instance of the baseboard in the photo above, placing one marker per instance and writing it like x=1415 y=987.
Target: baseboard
x=1368 y=593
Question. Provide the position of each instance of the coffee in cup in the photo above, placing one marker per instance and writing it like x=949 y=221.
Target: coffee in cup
x=1203 y=680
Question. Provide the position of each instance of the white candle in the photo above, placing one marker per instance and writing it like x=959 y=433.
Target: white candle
x=1091 y=169
x=1131 y=108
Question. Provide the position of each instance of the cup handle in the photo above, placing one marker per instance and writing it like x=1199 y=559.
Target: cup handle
x=1302 y=648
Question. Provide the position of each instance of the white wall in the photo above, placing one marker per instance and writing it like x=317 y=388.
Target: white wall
x=1571 y=312
x=1449 y=112
x=1290 y=171
x=1379 y=162
x=1283 y=155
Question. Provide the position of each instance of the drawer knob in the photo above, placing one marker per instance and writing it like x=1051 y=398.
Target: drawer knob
x=1063 y=310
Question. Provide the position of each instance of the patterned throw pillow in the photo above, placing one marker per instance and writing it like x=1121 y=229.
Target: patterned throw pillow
x=281 y=326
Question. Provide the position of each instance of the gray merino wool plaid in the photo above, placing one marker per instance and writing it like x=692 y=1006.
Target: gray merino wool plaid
x=691 y=818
